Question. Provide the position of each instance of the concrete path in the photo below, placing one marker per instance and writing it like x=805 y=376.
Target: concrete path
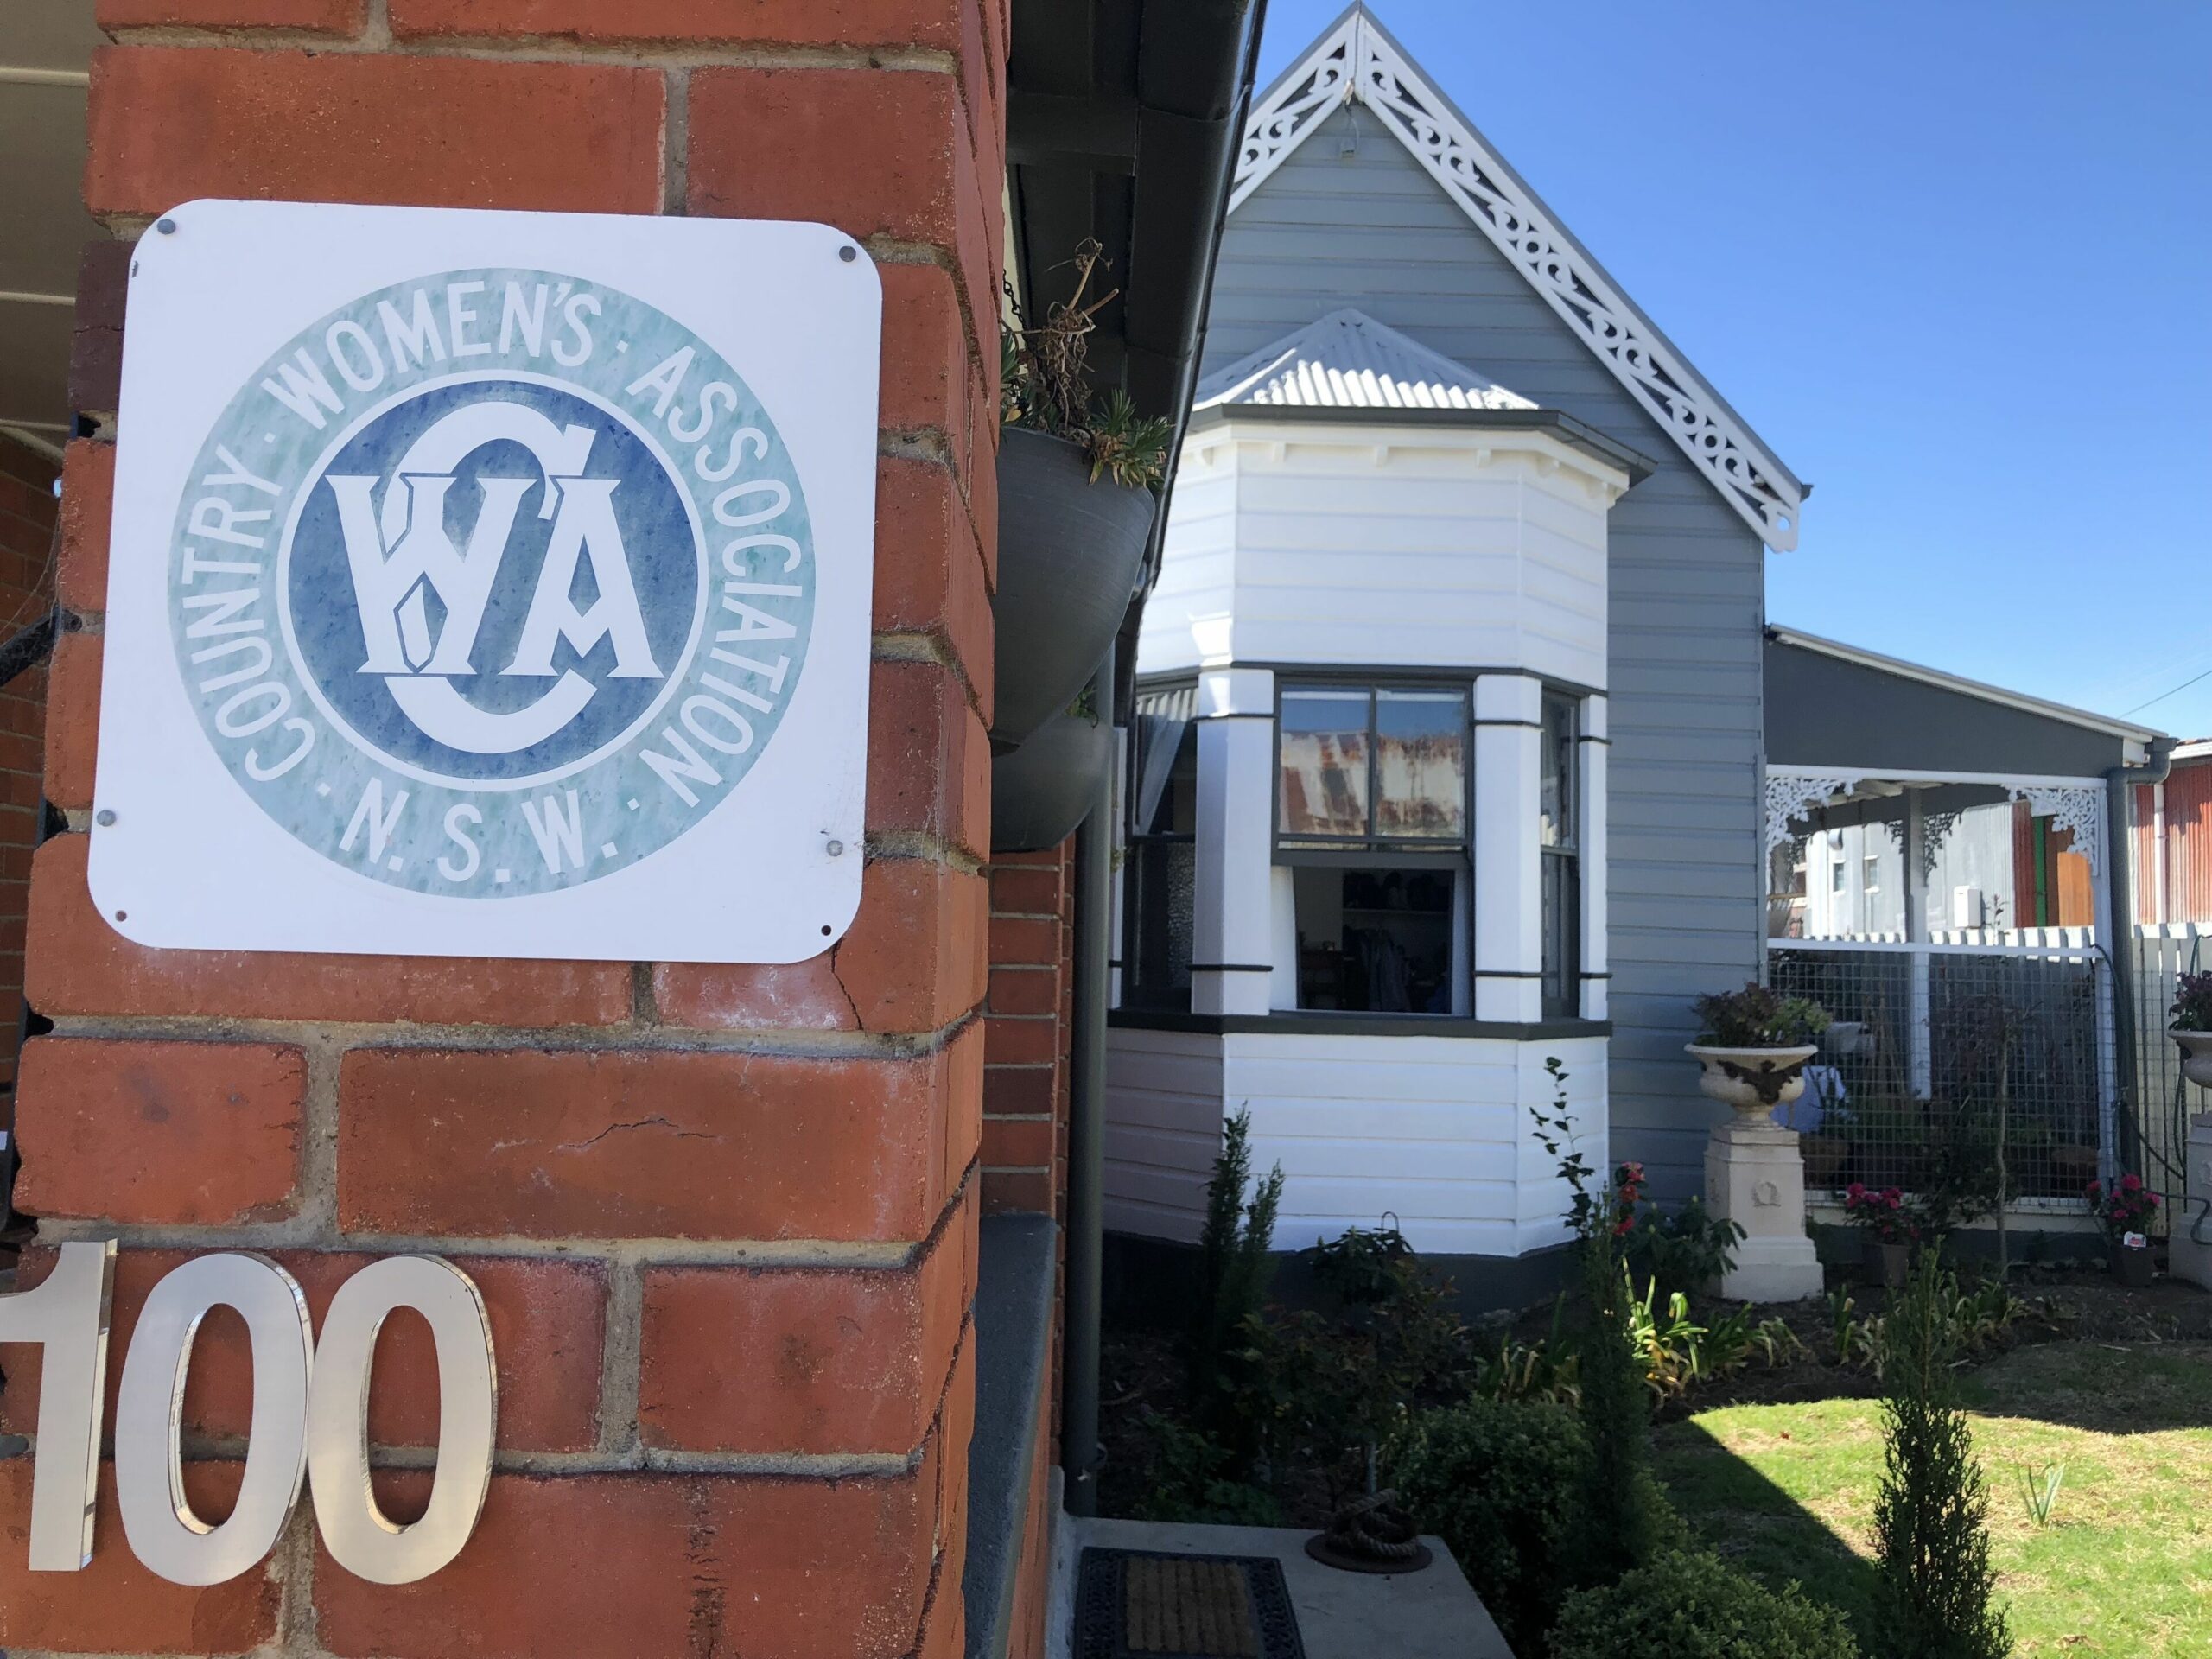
x=1426 y=1614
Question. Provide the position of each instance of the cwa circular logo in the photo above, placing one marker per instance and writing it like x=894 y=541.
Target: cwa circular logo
x=491 y=582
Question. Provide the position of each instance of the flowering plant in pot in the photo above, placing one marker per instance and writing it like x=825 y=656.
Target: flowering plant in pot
x=1890 y=1222
x=1079 y=475
x=1753 y=1045
x=2124 y=1210
x=2191 y=1028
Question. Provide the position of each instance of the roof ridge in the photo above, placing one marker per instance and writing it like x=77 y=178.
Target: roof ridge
x=1357 y=58
x=1347 y=358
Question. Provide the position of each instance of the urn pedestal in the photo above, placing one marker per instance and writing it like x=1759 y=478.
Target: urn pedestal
x=1755 y=1176
x=2185 y=1257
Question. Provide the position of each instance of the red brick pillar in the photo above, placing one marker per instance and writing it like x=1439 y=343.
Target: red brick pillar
x=723 y=1218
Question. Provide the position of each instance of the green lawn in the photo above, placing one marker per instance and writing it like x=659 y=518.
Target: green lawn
x=2126 y=1566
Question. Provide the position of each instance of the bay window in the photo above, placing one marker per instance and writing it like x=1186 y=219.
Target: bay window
x=1371 y=819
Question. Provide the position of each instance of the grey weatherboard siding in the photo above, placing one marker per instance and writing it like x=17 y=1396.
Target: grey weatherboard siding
x=1371 y=229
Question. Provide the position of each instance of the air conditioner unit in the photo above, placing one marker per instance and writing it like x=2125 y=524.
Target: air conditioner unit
x=1966 y=907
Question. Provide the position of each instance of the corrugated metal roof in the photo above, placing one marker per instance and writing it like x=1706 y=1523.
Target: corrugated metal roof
x=1348 y=360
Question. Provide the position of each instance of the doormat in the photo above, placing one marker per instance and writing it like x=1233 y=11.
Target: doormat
x=1137 y=1604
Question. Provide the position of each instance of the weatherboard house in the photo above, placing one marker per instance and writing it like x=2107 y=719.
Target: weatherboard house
x=1448 y=760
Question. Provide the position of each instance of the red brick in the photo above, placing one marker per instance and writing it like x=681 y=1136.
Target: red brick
x=929 y=756
x=167 y=123
x=614 y=1567
x=72 y=720
x=1025 y=939
x=913 y=959
x=926 y=360
x=115 y=1605
x=797 y=22
x=1017 y=1189
x=1023 y=1041
x=1018 y=1143
x=78 y=965
x=778 y=143
x=548 y=1322
x=1025 y=890
x=802 y=1359
x=1024 y=990
x=929 y=576
x=327 y=17
x=87 y=494
x=618 y=1144
x=1020 y=1090
x=877 y=978
x=184 y=1134
x=96 y=342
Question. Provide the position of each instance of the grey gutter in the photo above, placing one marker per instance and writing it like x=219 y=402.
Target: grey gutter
x=2120 y=784
x=1576 y=435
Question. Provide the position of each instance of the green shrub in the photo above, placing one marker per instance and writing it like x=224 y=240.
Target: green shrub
x=1234 y=1269
x=1194 y=1480
x=1686 y=1251
x=1693 y=1606
x=1497 y=1480
x=1931 y=1517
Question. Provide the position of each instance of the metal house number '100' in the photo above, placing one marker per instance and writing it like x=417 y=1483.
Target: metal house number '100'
x=310 y=1413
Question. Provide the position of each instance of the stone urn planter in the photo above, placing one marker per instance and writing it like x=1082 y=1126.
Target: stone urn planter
x=1040 y=791
x=1752 y=1082
x=2196 y=1055
x=1069 y=555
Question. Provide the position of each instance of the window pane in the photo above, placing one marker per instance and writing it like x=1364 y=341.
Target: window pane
x=1375 y=939
x=1161 y=892
x=1562 y=924
x=1324 y=781
x=1421 y=764
x=1555 y=806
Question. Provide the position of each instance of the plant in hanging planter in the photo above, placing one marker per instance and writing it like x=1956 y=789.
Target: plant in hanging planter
x=1753 y=1045
x=2191 y=1028
x=1892 y=1225
x=1079 y=475
x=2125 y=1210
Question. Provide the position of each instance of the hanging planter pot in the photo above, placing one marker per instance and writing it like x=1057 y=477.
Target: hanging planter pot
x=2196 y=1055
x=1040 y=791
x=1069 y=554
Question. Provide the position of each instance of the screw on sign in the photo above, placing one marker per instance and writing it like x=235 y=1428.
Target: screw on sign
x=310 y=1413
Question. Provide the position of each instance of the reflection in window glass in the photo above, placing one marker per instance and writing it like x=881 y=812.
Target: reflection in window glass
x=1555 y=808
x=1421 y=764
x=1325 y=764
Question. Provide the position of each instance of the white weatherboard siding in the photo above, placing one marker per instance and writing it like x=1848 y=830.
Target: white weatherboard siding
x=1434 y=1131
x=1366 y=544
x=1163 y=1129
x=1351 y=219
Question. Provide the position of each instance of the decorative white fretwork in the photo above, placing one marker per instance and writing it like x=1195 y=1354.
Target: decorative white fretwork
x=2080 y=810
x=1791 y=795
x=1358 y=60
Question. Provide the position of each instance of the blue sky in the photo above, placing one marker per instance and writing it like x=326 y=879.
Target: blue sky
x=1953 y=262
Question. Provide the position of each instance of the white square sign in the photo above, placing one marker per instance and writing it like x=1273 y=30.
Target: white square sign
x=489 y=584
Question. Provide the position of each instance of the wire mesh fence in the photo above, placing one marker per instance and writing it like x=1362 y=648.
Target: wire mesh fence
x=1960 y=1075
x=2155 y=1129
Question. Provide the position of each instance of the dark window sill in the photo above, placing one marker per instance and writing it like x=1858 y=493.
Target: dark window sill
x=1357 y=1025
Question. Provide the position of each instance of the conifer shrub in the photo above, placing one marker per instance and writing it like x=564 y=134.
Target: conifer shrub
x=1935 y=1593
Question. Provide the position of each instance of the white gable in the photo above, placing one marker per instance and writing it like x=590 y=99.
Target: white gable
x=1348 y=360
x=1356 y=60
